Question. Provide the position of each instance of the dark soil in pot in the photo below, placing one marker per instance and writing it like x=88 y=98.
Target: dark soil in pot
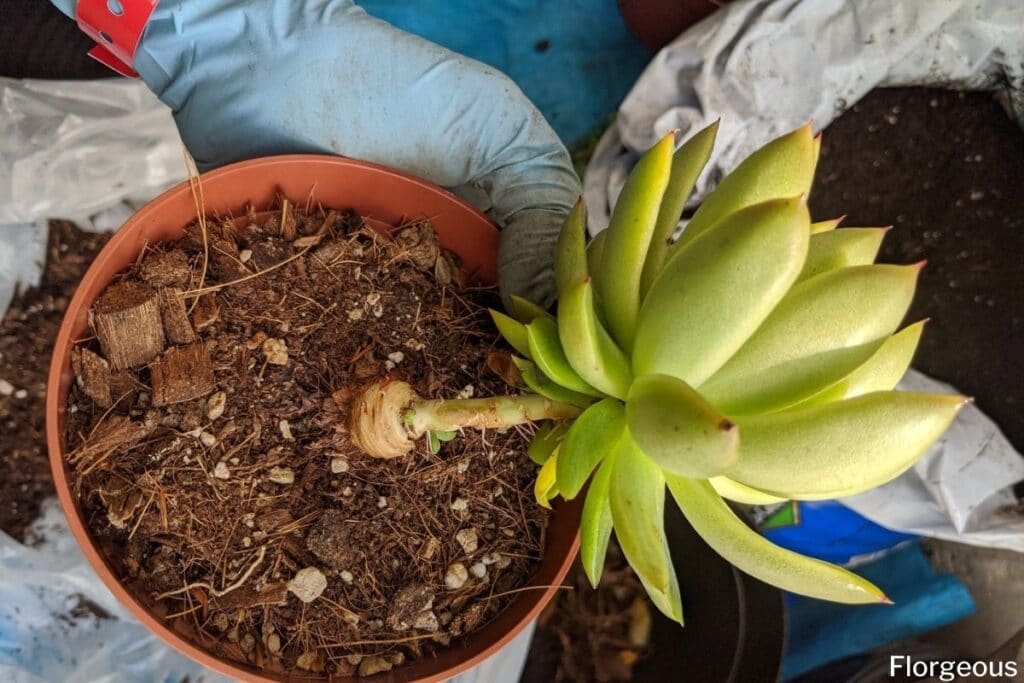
x=212 y=462
x=948 y=167
x=26 y=341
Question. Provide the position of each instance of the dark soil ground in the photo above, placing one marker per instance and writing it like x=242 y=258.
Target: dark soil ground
x=218 y=477
x=946 y=169
x=26 y=338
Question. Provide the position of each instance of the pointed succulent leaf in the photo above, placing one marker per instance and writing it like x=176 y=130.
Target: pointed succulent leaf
x=596 y=522
x=595 y=251
x=669 y=602
x=571 y=250
x=788 y=383
x=546 y=351
x=782 y=168
x=678 y=429
x=881 y=372
x=841 y=248
x=753 y=554
x=687 y=164
x=525 y=310
x=840 y=448
x=637 y=497
x=513 y=331
x=590 y=350
x=589 y=440
x=719 y=289
x=739 y=493
x=833 y=310
x=629 y=236
x=549 y=435
x=825 y=226
x=545 y=487
x=538 y=383
x=816 y=148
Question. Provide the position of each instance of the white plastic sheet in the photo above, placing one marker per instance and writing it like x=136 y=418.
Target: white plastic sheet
x=92 y=152
x=766 y=66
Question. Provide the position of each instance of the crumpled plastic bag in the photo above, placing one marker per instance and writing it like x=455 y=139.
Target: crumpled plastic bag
x=767 y=66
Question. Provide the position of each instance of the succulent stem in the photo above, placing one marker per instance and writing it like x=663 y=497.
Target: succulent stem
x=387 y=417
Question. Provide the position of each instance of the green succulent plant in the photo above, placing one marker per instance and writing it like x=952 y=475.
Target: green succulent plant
x=752 y=359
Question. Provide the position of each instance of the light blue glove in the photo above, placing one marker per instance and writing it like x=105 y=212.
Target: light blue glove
x=276 y=76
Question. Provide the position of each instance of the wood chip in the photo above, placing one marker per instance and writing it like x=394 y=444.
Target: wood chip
x=116 y=431
x=183 y=373
x=126 y=318
x=206 y=312
x=166 y=269
x=93 y=373
x=174 y=315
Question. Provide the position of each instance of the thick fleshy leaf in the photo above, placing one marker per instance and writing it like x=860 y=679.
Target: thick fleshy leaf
x=740 y=493
x=594 y=434
x=750 y=552
x=881 y=372
x=549 y=435
x=825 y=226
x=637 y=497
x=525 y=310
x=788 y=383
x=513 y=331
x=719 y=289
x=687 y=164
x=571 y=250
x=834 y=310
x=678 y=429
x=782 y=168
x=545 y=487
x=538 y=383
x=842 y=248
x=590 y=350
x=546 y=351
x=629 y=236
x=842 y=448
x=596 y=522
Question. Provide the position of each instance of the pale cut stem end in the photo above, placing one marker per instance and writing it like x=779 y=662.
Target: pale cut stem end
x=387 y=417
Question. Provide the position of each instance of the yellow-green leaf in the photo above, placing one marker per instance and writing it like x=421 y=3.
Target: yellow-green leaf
x=629 y=236
x=687 y=163
x=719 y=289
x=825 y=226
x=590 y=350
x=595 y=251
x=590 y=438
x=750 y=552
x=833 y=310
x=678 y=429
x=546 y=351
x=782 y=168
x=784 y=385
x=739 y=493
x=512 y=330
x=525 y=310
x=545 y=487
x=549 y=435
x=842 y=248
x=637 y=498
x=570 y=250
x=539 y=384
x=881 y=372
x=841 y=448
x=596 y=522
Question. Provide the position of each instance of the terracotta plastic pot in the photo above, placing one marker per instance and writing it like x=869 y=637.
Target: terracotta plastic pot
x=374 y=191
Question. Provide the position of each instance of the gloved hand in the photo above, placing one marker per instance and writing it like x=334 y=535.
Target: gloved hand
x=279 y=76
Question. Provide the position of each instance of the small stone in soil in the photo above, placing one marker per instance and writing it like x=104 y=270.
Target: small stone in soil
x=286 y=430
x=339 y=465
x=221 y=471
x=308 y=584
x=215 y=405
x=282 y=475
x=460 y=505
x=275 y=351
x=467 y=538
x=456 y=576
x=6 y=388
x=479 y=570
x=346 y=576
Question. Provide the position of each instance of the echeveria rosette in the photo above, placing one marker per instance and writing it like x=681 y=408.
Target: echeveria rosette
x=753 y=358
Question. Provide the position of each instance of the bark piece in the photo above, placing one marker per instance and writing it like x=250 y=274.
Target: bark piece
x=174 y=315
x=93 y=373
x=115 y=432
x=183 y=373
x=127 y=321
x=166 y=269
x=206 y=312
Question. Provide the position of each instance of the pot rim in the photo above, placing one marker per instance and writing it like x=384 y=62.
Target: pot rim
x=263 y=169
